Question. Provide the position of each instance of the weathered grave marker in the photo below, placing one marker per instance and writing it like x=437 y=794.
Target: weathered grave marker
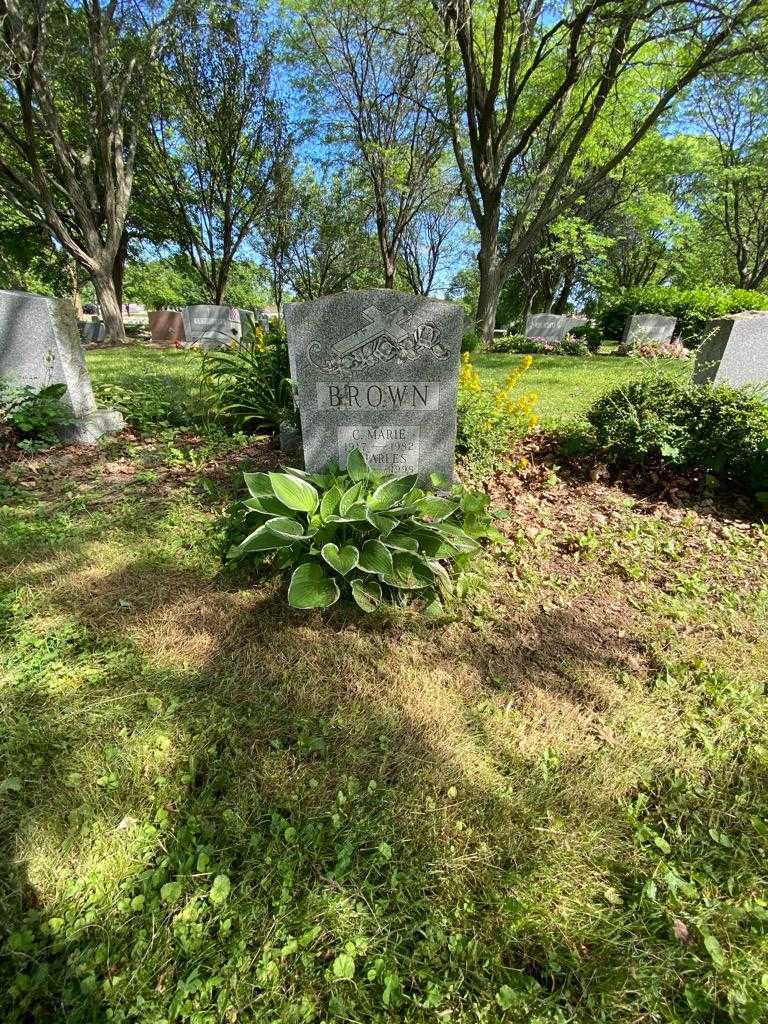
x=166 y=325
x=648 y=327
x=550 y=326
x=91 y=331
x=211 y=327
x=377 y=370
x=734 y=351
x=39 y=346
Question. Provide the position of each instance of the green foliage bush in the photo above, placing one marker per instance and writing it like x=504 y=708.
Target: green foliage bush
x=491 y=418
x=520 y=344
x=591 y=333
x=692 y=307
x=30 y=419
x=720 y=430
x=248 y=386
x=372 y=537
x=471 y=341
x=152 y=403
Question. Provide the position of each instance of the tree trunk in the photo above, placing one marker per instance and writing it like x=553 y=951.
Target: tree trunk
x=111 y=313
x=118 y=270
x=74 y=285
x=491 y=280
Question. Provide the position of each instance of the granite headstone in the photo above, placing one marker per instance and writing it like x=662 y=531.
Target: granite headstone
x=91 y=331
x=377 y=370
x=550 y=326
x=166 y=325
x=211 y=327
x=39 y=346
x=734 y=351
x=648 y=327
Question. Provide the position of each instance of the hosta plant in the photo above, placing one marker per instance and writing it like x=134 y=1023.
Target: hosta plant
x=357 y=534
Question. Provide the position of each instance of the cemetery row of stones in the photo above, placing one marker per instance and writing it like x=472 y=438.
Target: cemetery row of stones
x=374 y=370
x=199 y=326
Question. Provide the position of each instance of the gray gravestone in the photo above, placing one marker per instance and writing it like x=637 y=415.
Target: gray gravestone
x=250 y=319
x=648 y=327
x=91 y=331
x=377 y=370
x=734 y=351
x=211 y=327
x=39 y=346
x=550 y=326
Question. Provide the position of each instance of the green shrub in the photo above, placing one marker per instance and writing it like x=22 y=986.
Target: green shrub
x=590 y=333
x=491 y=418
x=519 y=344
x=372 y=537
x=248 y=386
x=30 y=419
x=471 y=341
x=720 y=430
x=692 y=307
x=152 y=403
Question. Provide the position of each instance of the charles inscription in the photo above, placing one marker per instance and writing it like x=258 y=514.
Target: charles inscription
x=377 y=370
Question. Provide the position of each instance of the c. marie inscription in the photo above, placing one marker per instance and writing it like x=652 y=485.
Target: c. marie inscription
x=389 y=449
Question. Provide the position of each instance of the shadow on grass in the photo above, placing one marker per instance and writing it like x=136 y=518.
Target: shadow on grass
x=344 y=774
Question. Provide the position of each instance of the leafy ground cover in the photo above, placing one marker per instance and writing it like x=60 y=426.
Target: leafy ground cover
x=552 y=807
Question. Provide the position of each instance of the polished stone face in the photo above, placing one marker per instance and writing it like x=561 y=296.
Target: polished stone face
x=550 y=326
x=211 y=327
x=166 y=325
x=377 y=370
x=735 y=351
x=648 y=327
x=39 y=346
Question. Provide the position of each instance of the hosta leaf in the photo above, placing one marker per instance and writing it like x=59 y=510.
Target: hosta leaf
x=357 y=467
x=376 y=558
x=283 y=526
x=258 y=485
x=311 y=587
x=409 y=572
x=343 y=560
x=399 y=541
x=268 y=505
x=442 y=576
x=367 y=594
x=261 y=539
x=384 y=524
x=295 y=493
x=329 y=505
x=349 y=497
x=435 y=507
x=356 y=512
x=457 y=537
x=391 y=492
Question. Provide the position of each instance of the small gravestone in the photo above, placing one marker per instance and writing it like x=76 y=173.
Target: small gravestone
x=551 y=327
x=734 y=351
x=211 y=327
x=91 y=331
x=378 y=371
x=166 y=325
x=39 y=346
x=648 y=327
x=250 y=319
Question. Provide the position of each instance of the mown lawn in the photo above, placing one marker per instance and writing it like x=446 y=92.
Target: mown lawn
x=568 y=385
x=551 y=806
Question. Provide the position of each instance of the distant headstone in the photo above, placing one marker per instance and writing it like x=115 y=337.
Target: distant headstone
x=648 y=327
x=550 y=326
x=377 y=370
x=39 y=346
x=91 y=331
x=250 y=319
x=734 y=351
x=166 y=325
x=210 y=327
